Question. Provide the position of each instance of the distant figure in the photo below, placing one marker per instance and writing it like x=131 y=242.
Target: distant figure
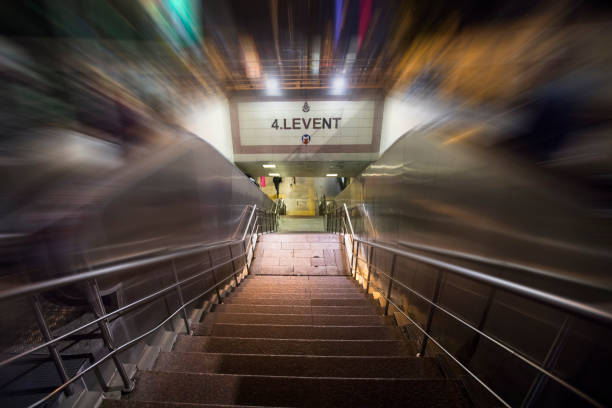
x=277 y=181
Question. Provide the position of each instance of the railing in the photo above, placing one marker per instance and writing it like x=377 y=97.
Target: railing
x=259 y=221
x=339 y=221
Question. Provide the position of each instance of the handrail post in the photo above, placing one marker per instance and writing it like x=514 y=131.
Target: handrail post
x=99 y=311
x=179 y=292
x=551 y=358
x=481 y=324
x=355 y=257
x=348 y=220
x=48 y=336
x=233 y=265
x=246 y=254
x=337 y=221
x=393 y=261
x=214 y=272
x=434 y=300
x=370 y=253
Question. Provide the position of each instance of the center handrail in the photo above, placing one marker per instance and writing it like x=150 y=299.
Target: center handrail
x=344 y=226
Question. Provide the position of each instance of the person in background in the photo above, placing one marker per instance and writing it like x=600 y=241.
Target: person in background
x=277 y=181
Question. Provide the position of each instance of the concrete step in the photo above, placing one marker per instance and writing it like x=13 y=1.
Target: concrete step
x=299 y=279
x=110 y=403
x=300 y=366
x=298 y=296
x=268 y=331
x=294 y=346
x=295 y=319
x=296 y=391
x=320 y=310
x=299 y=302
x=298 y=293
x=298 y=289
x=298 y=285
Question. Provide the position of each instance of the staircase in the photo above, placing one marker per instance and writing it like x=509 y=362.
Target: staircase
x=294 y=339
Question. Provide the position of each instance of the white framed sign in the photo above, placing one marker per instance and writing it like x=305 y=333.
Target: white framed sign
x=306 y=123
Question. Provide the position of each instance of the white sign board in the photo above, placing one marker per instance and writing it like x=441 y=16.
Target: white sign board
x=324 y=122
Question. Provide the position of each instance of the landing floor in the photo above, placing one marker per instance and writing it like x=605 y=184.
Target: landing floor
x=299 y=254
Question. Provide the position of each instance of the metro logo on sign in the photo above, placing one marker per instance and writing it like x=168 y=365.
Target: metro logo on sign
x=306 y=139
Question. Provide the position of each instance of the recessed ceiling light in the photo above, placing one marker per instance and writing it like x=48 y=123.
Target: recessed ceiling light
x=269 y=166
x=332 y=174
x=338 y=85
x=272 y=87
x=274 y=174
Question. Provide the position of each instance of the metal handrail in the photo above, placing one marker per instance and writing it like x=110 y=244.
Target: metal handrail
x=92 y=275
x=348 y=218
x=493 y=262
x=123 y=346
x=483 y=334
x=564 y=303
x=567 y=304
x=535 y=294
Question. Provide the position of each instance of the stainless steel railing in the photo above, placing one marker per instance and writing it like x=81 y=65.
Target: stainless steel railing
x=259 y=221
x=339 y=221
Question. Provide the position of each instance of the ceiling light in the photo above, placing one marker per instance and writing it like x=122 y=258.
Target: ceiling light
x=269 y=166
x=332 y=174
x=272 y=87
x=338 y=85
x=274 y=174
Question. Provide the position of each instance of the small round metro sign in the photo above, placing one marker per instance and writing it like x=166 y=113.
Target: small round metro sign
x=305 y=139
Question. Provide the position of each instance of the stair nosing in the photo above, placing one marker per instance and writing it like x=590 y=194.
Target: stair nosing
x=292 y=356
x=301 y=325
x=307 y=378
x=278 y=339
x=289 y=314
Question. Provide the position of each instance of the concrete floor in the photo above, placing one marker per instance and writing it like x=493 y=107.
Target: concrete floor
x=301 y=197
x=301 y=224
x=298 y=254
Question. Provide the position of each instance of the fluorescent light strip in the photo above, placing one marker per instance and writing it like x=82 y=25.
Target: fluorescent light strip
x=269 y=166
x=274 y=174
x=332 y=174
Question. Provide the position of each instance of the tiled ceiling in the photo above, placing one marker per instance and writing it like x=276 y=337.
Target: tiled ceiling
x=305 y=168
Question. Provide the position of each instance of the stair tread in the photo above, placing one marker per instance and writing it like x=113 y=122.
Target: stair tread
x=302 y=366
x=243 y=345
x=291 y=309
x=314 y=295
x=111 y=403
x=300 y=302
x=278 y=331
x=294 y=319
x=296 y=391
x=293 y=341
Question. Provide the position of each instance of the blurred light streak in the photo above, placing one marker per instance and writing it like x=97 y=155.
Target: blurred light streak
x=252 y=65
x=365 y=13
x=338 y=18
x=462 y=136
x=315 y=55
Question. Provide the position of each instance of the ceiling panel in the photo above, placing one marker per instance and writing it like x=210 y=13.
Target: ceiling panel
x=305 y=168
